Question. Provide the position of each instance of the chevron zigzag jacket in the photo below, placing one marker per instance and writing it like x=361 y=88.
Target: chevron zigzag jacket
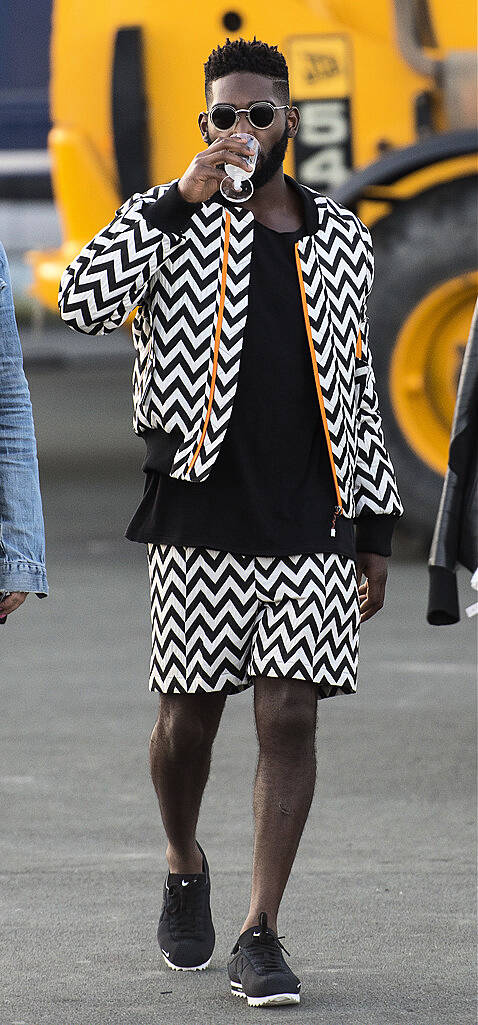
x=190 y=287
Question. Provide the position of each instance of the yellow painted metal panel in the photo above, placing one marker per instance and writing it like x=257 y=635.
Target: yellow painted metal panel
x=319 y=66
x=455 y=24
x=354 y=41
x=374 y=18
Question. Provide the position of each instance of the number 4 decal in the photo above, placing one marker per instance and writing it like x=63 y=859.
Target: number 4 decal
x=321 y=81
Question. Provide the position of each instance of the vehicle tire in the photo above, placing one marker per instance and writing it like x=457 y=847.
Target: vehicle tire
x=422 y=244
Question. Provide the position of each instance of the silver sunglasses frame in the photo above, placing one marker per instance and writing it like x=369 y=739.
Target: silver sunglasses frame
x=246 y=110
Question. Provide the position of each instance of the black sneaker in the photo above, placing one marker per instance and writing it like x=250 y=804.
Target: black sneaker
x=185 y=932
x=257 y=969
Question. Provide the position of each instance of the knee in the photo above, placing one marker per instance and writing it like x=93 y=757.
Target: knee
x=179 y=729
x=286 y=719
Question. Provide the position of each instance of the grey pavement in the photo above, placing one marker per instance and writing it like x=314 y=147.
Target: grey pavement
x=379 y=911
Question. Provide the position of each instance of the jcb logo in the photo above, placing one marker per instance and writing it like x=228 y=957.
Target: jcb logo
x=319 y=66
x=320 y=85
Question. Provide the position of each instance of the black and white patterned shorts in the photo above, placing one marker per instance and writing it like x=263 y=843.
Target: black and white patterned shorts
x=219 y=619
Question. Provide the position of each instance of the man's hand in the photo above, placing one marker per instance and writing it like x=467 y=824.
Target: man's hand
x=11 y=603
x=204 y=176
x=371 y=593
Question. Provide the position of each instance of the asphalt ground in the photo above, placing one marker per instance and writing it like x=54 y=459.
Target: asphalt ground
x=379 y=911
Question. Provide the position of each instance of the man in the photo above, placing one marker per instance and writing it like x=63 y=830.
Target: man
x=22 y=533
x=254 y=391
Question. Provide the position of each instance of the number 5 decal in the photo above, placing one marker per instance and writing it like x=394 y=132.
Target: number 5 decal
x=320 y=85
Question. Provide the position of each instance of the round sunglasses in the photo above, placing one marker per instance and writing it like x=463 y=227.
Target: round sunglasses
x=260 y=114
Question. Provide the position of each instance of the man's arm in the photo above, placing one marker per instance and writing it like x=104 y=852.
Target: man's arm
x=111 y=274
x=109 y=277
x=377 y=501
x=376 y=491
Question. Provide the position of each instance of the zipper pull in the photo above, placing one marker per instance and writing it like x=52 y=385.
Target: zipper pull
x=337 y=512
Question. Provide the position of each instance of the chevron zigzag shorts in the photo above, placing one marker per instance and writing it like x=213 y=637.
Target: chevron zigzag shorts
x=219 y=619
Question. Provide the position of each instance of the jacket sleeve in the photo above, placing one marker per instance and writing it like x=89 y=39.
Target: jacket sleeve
x=111 y=274
x=376 y=491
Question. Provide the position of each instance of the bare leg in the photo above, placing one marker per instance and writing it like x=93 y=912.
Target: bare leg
x=180 y=756
x=286 y=717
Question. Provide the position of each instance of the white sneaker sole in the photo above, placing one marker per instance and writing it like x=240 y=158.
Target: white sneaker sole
x=181 y=968
x=272 y=999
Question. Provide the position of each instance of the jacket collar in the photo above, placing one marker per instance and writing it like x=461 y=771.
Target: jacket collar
x=315 y=206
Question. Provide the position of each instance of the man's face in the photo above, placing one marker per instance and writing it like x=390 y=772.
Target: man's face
x=242 y=88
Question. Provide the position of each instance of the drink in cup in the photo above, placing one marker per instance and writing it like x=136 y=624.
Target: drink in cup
x=237 y=187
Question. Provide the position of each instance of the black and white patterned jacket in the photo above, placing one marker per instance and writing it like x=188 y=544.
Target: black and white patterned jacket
x=189 y=282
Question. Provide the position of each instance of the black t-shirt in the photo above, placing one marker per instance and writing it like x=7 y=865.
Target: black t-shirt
x=270 y=490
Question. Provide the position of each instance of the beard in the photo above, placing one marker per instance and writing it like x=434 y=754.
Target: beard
x=272 y=162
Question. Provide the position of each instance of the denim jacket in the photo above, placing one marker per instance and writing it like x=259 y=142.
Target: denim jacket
x=22 y=533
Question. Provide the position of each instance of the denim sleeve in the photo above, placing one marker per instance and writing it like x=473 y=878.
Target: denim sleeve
x=22 y=533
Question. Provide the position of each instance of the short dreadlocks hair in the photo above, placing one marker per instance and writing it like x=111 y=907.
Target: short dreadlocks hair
x=243 y=55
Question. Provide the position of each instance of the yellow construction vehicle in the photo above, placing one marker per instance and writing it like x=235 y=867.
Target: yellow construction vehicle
x=387 y=96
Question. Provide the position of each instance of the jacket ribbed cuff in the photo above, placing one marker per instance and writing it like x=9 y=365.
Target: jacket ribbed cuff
x=171 y=213
x=374 y=533
x=443 y=607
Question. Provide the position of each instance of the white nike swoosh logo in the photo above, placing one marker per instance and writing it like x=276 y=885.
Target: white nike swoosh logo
x=256 y=934
x=183 y=883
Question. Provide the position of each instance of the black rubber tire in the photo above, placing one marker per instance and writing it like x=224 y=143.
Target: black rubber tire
x=420 y=245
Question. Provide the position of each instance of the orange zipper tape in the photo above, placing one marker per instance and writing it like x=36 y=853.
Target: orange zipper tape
x=358 y=350
x=217 y=338
x=316 y=372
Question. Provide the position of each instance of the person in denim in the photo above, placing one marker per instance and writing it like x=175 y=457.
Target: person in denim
x=22 y=533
